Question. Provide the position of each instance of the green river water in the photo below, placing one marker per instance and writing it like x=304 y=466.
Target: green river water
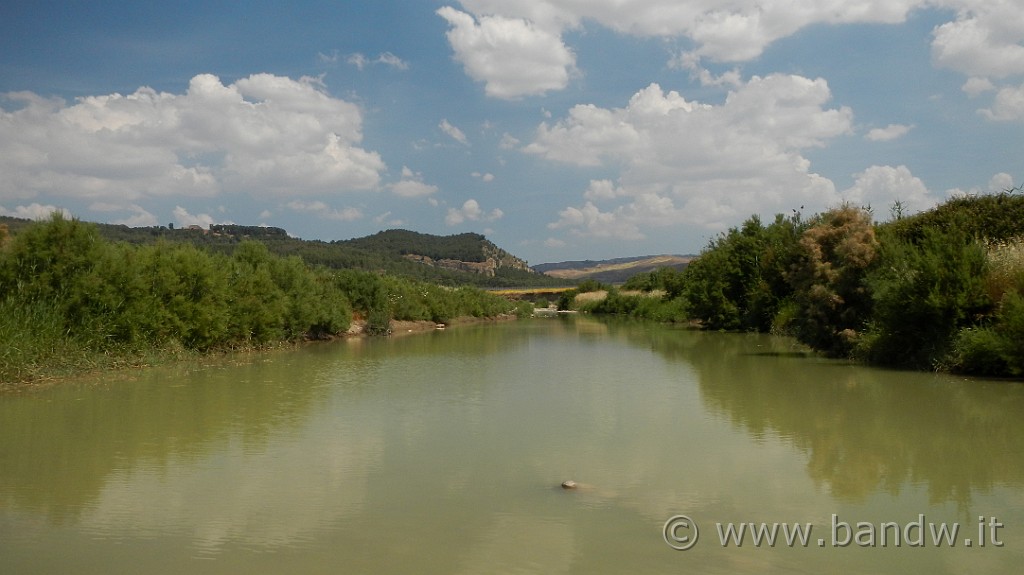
x=443 y=453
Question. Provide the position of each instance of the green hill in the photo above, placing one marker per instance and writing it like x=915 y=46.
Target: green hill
x=461 y=252
x=462 y=259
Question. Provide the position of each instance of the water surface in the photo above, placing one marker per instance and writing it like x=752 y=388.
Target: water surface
x=443 y=452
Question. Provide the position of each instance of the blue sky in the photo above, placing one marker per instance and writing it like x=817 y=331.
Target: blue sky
x=561 y=129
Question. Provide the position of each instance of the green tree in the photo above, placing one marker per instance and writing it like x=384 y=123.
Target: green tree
x=719 y=283
x=51 y=259
x=923 y=294
x=258 y=305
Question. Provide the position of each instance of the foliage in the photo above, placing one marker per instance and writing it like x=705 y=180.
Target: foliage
x=70 y=298
x=639 y=305
x=833 y=301
x=997 y=349
x=923 y=294
x=740 y=280
x=566 y=300
x=382 y=252
x=937 y=290
x=996 y=346
x=50 y=261
x=467 y=247
x=989 y=217
x=667 y=279
x=523 y=309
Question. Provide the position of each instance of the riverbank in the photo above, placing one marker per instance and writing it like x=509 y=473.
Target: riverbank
x=405 y=327
x=79 y=364
x=942 y=290
x=71 y=302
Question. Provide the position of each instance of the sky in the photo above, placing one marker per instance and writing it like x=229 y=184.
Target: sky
x=560 y=129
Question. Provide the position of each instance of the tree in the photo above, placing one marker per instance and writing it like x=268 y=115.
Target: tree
x=923 y=294
x=832 y=298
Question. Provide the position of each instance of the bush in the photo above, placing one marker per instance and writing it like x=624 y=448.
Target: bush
x=668 y=280
x=924 y=294
x=49 y=261
x=996 y=350
x=567 y=299
x=523 y=310
x=641 y=306
x=185 y=295
x=258 y=305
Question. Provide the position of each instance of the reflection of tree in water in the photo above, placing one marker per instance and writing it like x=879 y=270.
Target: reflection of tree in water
x=60 y=444
x=864 y=430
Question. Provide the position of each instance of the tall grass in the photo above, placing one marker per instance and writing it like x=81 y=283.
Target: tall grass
x=1005 y=267
x=35 y=343
x=996 y=347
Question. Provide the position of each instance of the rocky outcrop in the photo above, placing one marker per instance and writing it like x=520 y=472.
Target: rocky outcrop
x=495 y=258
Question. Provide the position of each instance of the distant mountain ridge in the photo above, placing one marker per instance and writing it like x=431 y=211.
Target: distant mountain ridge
x=615 y=270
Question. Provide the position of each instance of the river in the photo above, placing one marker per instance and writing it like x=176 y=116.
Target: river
x=444 y=453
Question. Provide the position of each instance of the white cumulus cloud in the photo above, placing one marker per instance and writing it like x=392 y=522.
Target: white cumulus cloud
x=985 y=40
x=684 y=162
x=411 y=185
x=452 y=131
x=890 y=132
x=471 y=211
x=185 y=219
x=975 y=86
x=1008 y=105
x=323 y=211
x=881 y=186
x=733 y=31
x=33 y=211
x=1001 y=182
x=262 y=136
x=360 y=61
x=513 y=57
x=140 y=217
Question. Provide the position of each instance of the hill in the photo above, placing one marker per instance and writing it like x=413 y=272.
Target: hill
x=462 y=252
x=615 y=270
x=437 y=259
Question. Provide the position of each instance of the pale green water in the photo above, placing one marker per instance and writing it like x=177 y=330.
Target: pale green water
x=442 y=453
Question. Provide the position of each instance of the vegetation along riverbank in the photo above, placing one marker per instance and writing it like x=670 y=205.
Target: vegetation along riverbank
x=71 y=300
x=940 y=290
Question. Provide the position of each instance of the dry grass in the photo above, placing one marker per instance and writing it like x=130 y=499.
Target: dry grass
x=528 y=291
x=591 y=296
x=595 y=296
x=1006 y=268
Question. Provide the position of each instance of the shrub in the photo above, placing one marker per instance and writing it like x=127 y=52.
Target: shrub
x=185 y=295
x=924 y=294
x=49 y=261
x=258 y=305
x=567 y=299
x=830 y=293
x=995 y=350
